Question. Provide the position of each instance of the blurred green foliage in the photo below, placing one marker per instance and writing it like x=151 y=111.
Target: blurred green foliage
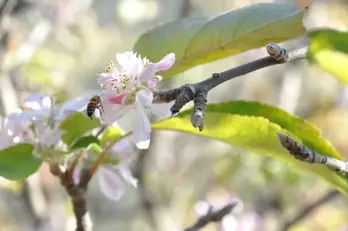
x=329 y=50
x=17 y=162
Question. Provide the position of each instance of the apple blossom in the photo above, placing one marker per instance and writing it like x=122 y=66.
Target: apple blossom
x=113 y=179
x=38 y=124
x=13 y=132
x=129 y=88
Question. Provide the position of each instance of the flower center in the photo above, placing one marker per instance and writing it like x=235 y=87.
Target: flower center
x=122 y=83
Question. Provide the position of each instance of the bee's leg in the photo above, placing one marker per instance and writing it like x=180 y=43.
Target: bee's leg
x=100 y=113
x=101 y=105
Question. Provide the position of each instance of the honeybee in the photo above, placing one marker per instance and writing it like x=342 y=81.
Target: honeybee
x=93 y=104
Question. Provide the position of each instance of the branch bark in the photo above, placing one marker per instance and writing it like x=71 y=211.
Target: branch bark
x=198 y=92
x=77 y=193
x=212 y=216
x=307 y=210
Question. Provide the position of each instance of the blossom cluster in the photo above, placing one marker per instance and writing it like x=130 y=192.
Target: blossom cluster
x=126 y=88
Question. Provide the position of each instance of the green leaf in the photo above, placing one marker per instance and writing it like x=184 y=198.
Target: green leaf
x=112 y=134
x=17 y=162
x=94 y=149
x=254 y=126
x=200 y=41
x=76 y=125
x=329 y=49
x=83 y=142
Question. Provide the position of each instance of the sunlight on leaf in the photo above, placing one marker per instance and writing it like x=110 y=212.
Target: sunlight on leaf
x=253 y=126
x=112 y=134
x=200 y=41
x=329 y=49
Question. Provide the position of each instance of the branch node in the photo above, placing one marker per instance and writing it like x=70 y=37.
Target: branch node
x=278 y=53
x=298 y=150
x=187 y=93
x=197 y=117
x=216 y=75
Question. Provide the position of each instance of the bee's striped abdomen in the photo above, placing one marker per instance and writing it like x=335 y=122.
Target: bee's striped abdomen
x=92 y=105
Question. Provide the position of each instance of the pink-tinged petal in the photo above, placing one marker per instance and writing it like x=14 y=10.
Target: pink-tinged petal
x=162 y=110
x=166 y=62
x=148 y=73
x=229 y=223
x=111 y=184
x=114 y=112
x=153 y=82
x=117 y=99
x=201 y=208
x=145 y=97
x=250 y=222
x=141 y=127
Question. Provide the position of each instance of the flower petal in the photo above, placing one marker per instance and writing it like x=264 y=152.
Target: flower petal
x=34 y=101
x=29 y=115
x=145 y=97
x=50 y=136
x=111 y=184
x=141 y=126
x=148 y=73
x=105 y=79
x=166 y=62
x=127 y=176
x=116 y=99
x=71 y=106
x=123 y=145
x=114 y=112
x=162 y=110
x=229 y=223
x=124 y=58
x=76 y=174
x=201 y=208
x=153 y=82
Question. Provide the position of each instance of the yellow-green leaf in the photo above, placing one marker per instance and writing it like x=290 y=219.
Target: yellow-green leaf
x=329 y=49
x=254 y=126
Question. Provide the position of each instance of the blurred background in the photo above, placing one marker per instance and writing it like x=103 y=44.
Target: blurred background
x=58 y=46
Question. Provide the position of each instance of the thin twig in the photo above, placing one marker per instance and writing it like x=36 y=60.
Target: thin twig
x=307 y=210
x=212 y=216
x=77 y=192
x=302 y=153
x=198 y=92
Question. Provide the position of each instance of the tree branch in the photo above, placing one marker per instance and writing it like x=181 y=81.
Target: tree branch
x=76 y=192
x=212 y=216
x=302 y=153
x=307 y=210
x=198 y=92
